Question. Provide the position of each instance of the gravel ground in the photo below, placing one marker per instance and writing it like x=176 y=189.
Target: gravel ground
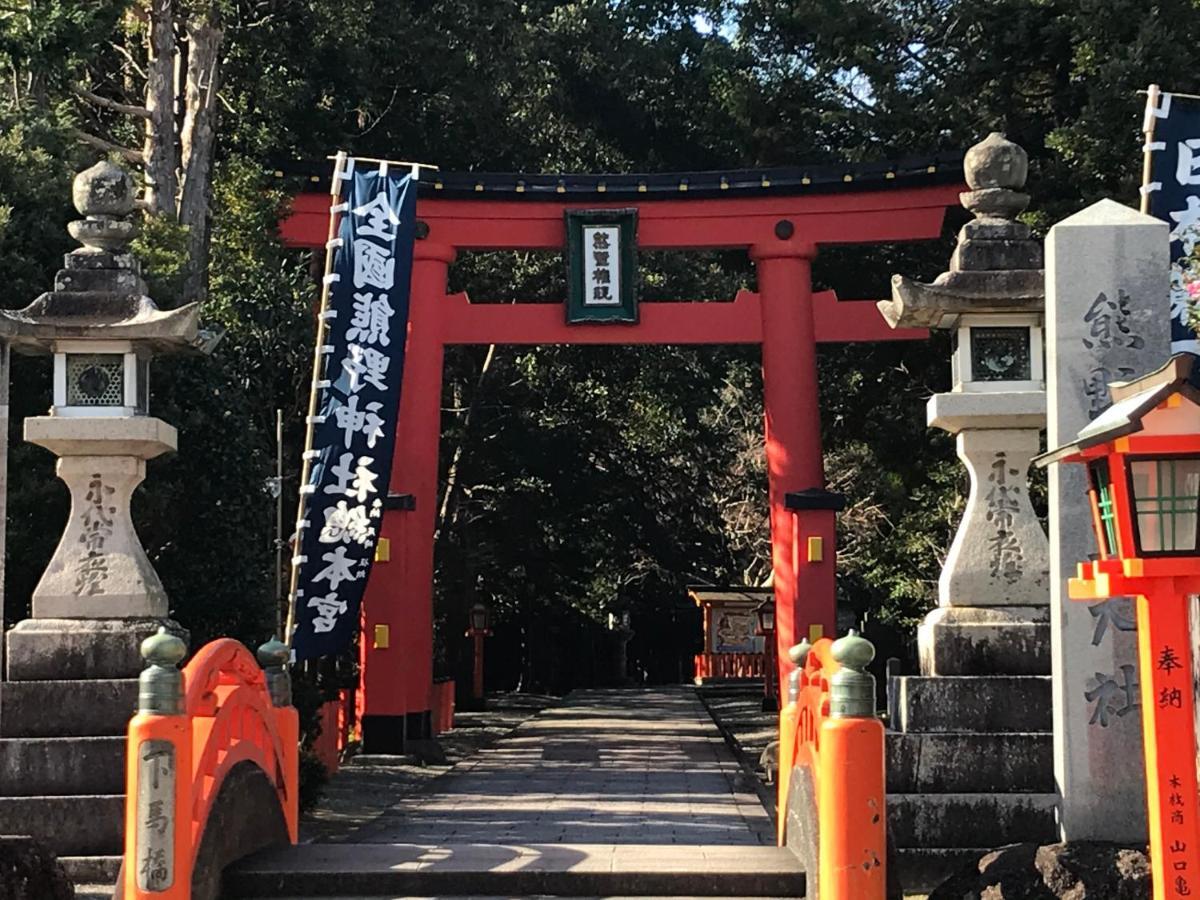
x=737 y=710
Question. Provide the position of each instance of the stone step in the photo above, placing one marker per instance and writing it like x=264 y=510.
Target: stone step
x=970 y=762
x=92 y=870
x=921 y=869
x=81 y=708
x=950 y=703
x=970 y=820
x=86 y=825
x=561 y=870
x=57 y=766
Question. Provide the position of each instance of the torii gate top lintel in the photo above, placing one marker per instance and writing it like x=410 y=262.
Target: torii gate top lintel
x=863 y=203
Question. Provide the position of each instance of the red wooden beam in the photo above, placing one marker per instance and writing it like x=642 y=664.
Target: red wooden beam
x=739 y=322
x=842 y=321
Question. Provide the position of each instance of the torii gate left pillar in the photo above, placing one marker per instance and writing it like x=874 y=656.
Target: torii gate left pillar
x=784 y=317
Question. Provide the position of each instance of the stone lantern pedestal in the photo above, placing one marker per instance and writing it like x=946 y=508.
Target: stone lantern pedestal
x=100 y=569
x=992 y=617
x=70 y=681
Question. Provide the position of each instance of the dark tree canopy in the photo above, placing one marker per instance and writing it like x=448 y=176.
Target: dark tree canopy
x=579 y=483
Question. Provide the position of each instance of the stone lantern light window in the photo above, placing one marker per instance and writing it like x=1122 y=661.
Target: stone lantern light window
x=998 y=353
x=99 y=378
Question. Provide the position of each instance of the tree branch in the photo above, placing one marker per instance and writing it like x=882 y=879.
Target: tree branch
x=100 y=143
x=128 y=58
x=126 y=109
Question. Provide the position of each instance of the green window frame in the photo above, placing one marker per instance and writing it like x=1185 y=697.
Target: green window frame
x=1102 y=485
x=1166 y=511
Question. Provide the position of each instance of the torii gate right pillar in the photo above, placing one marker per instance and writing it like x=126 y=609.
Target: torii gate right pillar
x=803 y=567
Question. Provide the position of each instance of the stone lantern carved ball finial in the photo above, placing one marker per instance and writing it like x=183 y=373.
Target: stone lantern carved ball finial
x=104 y=195
x=995 y=170
x=996 y=162
x=103 y=190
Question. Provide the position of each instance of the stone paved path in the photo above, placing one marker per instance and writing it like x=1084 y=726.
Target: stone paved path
x=605 y=767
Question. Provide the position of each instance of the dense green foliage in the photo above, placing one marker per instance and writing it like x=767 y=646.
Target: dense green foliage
x=585 y=482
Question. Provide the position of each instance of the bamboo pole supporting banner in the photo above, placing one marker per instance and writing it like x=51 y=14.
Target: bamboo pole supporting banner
x=341 y=164
x=1153 y=96
x=281 y=602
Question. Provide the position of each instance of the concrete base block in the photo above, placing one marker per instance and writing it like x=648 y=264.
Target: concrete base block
x=970 y=763
x=970 y=820
x=52 y=649
x=80 y=708
x=951 y=703
x=993 y=640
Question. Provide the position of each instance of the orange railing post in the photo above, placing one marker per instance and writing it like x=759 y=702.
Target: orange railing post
x=191 y=729
x=158 y=778
x=273 y=657
x=851 y=786
x=832 y=781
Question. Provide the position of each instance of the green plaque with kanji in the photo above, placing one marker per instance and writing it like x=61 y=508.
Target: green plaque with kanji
x=601 y=265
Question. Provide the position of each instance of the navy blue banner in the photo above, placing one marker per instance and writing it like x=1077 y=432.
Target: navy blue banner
x=354 y=431
x=1172 y=129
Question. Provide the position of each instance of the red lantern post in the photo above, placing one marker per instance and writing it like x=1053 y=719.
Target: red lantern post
x=766 y=628
x=478 y=629
x=1143 y=459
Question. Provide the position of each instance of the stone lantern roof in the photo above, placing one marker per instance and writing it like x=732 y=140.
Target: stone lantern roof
x=99 y=293
x=996 y=266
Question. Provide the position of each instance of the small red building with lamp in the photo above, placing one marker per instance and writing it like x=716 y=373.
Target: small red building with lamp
x=1143 y=461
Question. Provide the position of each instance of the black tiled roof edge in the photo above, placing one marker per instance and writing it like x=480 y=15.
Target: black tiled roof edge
x=944 y=168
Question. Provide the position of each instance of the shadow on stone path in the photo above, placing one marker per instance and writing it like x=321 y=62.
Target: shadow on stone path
x=622 y=766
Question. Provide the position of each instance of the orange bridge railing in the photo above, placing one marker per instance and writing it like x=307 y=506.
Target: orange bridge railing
x=218 y=734
x=832 y=792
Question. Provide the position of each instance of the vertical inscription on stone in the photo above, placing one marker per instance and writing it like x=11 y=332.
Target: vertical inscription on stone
x=155 y=844
x=1007 y=559
x=91 y=568
x=1107 y=319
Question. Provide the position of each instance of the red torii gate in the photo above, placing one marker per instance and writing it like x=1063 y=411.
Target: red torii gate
x=780 y=217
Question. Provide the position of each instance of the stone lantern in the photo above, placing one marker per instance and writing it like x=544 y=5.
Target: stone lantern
x=993 y=594
x=102 y=331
